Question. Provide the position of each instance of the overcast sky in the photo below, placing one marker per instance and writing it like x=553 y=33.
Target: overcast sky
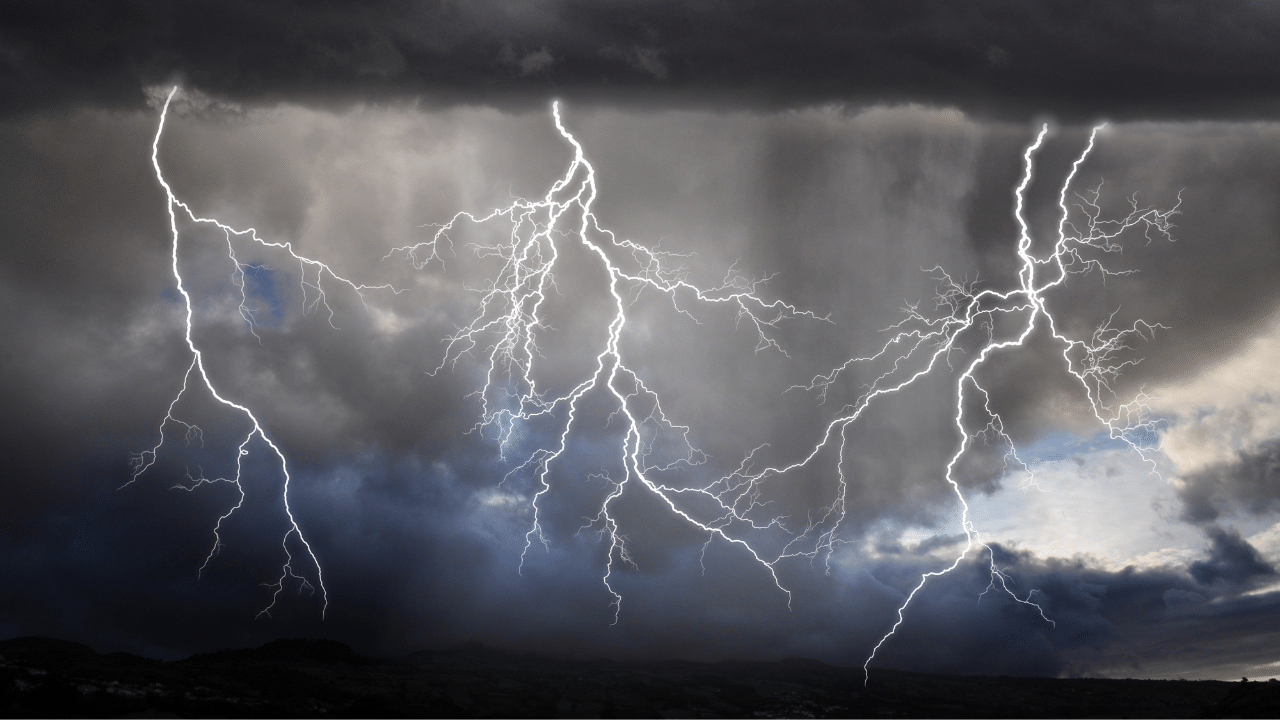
x=850 y=154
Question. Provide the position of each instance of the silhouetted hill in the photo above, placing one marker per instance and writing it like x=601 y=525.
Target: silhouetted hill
x=43 y=677
x=291 y=651
x=39 y=648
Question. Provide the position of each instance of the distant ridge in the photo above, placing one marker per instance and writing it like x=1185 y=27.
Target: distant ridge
x=292 y=650
x=47 y=677
x=35 y=646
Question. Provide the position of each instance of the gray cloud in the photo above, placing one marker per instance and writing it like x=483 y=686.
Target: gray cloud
x=419 y=542
x=1231 y=560
x=1249 y=483
x=1074 y=61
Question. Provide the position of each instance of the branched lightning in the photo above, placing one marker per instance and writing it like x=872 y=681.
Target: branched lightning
x=509 y=315
x=314 y=297
x=967 y=312
x=968 y=326
x=508 y=322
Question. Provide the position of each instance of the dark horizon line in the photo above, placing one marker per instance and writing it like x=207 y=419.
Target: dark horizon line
x=329 y=646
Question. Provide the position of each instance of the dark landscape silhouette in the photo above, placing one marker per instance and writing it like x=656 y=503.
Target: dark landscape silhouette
x=44 y=677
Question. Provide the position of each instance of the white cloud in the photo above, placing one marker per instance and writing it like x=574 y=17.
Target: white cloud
x=1106 y=504
x=1226 y=410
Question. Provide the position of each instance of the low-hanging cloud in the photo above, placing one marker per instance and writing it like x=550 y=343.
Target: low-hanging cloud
x=349 y=143
x=1075 y=61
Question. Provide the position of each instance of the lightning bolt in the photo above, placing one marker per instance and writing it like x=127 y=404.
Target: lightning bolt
x=967 y=312
x=653 y=450
x=509 y=316
x=508 y=323
x=314 y=297
x=509 y=311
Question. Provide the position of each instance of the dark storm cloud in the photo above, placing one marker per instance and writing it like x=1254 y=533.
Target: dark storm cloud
x=1232 y=560
x=419 y=540
x=1155 y=622
x=1073 y=60
x=1250 y=482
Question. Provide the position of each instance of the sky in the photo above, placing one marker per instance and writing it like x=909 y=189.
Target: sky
x=687 y=432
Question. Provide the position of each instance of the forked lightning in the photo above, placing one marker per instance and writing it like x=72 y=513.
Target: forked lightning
x=511 y=317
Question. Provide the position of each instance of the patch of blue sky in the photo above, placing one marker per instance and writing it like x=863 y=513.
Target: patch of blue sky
x=1063 y=445
x=263 y=294
x=1092 y=496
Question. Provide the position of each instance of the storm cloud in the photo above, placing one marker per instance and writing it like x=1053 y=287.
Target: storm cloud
x=1074 y=61
x=846 y=152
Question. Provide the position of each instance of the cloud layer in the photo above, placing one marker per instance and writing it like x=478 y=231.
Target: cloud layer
x=844 y=159
x=1075 y=61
